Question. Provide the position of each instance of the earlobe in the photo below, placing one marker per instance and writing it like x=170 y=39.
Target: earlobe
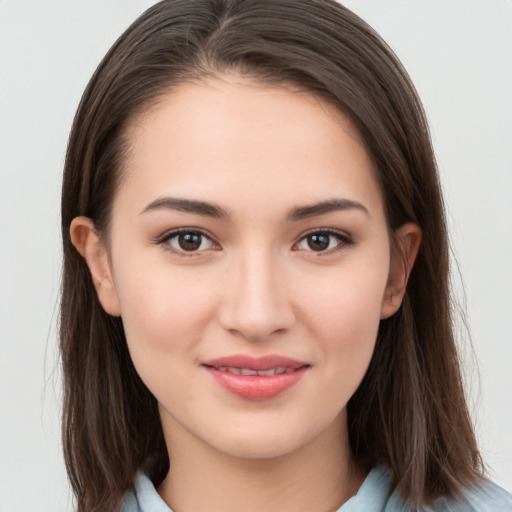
x=408 y=239
x=87 y=242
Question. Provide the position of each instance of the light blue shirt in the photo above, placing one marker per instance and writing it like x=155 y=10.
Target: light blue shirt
x=375 y=495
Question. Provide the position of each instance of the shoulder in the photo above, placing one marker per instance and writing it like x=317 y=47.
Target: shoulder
x=483 y=497
x=486 y=497
x=377 y=495
x=144 y=497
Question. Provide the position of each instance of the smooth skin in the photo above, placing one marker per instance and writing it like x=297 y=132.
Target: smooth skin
x=252 y=272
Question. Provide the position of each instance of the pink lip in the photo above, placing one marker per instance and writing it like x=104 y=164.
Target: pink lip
x=256 y=387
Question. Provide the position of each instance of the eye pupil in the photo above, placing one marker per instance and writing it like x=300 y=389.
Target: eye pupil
x=189 y=241
x=318 y=241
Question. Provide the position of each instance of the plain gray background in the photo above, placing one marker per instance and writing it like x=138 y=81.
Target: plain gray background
x=459 y=54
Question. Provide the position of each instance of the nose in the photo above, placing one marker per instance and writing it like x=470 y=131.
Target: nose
x=256 y=301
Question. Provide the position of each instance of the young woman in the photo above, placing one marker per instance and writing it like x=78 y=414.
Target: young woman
x=255 y=309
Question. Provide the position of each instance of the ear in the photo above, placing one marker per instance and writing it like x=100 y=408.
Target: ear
x=407 y=244
x=87 y=242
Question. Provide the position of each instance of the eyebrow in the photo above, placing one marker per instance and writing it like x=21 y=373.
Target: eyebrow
x=188 y=206
x=214 y=211
x=305 y=212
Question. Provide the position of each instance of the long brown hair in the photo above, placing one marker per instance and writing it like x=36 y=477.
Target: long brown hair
x=410 y=411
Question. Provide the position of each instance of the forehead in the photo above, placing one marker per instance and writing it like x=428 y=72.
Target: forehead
x=226 y=136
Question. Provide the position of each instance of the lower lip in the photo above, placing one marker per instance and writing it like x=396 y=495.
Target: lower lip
x=256 y=387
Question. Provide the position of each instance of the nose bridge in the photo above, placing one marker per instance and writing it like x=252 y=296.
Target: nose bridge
x=256 y=301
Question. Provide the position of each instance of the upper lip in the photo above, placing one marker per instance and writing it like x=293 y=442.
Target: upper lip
x=255 y=363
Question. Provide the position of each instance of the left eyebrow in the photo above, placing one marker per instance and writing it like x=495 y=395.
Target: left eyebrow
x=304 y=212
x=187 y=206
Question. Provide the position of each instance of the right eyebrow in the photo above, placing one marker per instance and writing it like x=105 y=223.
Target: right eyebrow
x=187 y=206
x=323 y=207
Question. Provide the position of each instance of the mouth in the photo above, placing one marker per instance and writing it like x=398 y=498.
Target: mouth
x=259 y=378
x=248 y=372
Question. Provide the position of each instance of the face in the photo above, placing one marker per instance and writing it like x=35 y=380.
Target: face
x=249 y=258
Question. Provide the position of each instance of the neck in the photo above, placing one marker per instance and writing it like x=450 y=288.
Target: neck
x=319 y=476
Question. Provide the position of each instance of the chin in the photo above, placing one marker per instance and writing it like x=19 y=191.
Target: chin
x=259 y=449
x=262 y=442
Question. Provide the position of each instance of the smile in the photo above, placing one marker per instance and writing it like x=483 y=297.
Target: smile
x=250 y=372
x=256 y=378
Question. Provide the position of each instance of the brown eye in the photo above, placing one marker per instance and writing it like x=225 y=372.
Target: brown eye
x=323 y=241
x=318 y=241
x=189 y=241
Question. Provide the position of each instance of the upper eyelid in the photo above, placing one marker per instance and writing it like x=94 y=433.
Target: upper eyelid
x=344 y=239
x=174 y=232
x=168 y=235
x=331 y=231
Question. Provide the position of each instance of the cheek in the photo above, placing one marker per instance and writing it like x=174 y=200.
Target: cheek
x=343 y=313
x=164 y=310
x=347 y=301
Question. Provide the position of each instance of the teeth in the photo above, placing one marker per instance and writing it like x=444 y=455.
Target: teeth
x=246 y=371
x=279 y=370
x=271 y=371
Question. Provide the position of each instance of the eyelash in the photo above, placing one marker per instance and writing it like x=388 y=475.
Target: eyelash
x=342 y=238
x=343 y=241
x=167 y=237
